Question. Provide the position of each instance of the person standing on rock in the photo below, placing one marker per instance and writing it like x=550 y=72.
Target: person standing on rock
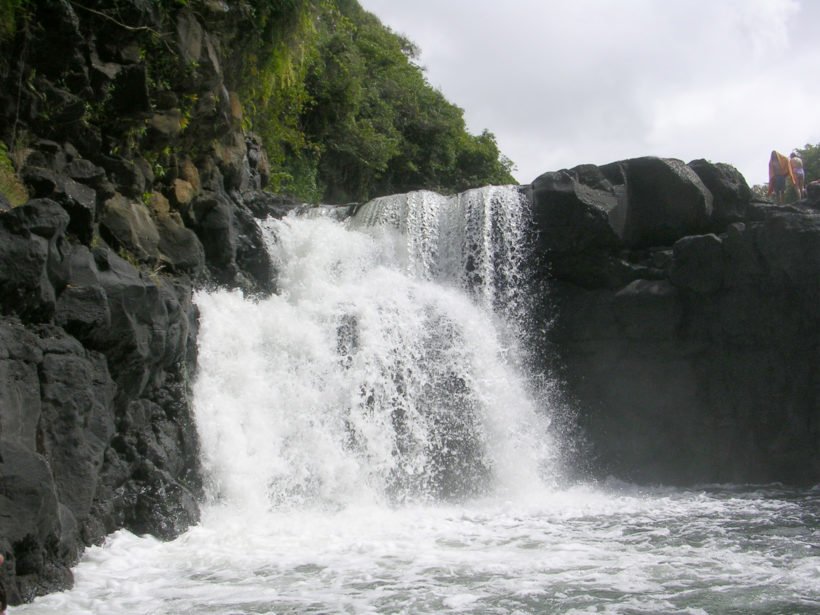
x=779 y=170
x=799 y=174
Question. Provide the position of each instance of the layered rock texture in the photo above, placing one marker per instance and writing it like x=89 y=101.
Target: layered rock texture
x=685 y=316
x=127 y=214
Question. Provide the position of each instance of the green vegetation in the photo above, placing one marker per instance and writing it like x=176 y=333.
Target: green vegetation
x=10 y=185
x=9 y=11
x=346 y=114
x=271 y=64
x=338 y=100
x=810 y=154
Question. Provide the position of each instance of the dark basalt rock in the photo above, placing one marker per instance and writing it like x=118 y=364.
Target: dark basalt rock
x=127 y=224
x=65 y=389
x=76 y=423
x=84 y=171
x=30 y=523
x=78 y=200
x=703 y=368
x=98 y=327
x=729 y=189
x=129 y=94
x=179 y=248
x=573 y=216
x=54 y=427
x=232 y=241
x=698 y=263
x=29 y=244
x=126 y=174
x=665 y=200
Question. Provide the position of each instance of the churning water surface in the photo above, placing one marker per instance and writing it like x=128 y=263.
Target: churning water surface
x=374 y=442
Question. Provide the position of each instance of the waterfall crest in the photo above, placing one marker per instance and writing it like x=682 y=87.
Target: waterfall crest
x=383 y=370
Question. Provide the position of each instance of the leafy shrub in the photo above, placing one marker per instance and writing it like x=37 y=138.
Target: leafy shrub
x=10 y=185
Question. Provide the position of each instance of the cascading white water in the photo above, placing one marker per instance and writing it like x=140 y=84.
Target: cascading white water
x=380 y=369
x=347 y=421
x=475 y=241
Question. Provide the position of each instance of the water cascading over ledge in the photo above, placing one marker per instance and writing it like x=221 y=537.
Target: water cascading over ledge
x=387 y=367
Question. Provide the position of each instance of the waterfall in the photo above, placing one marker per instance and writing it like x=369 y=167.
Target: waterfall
x=387 y=367
x=372 y=444
x=476 y=240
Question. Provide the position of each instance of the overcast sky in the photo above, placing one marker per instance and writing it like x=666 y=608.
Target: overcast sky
x=566 y=82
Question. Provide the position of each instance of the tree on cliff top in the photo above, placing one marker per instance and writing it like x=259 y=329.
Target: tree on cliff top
x=349 y=115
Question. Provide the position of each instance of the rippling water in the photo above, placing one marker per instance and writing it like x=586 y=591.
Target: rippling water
x=373 y=443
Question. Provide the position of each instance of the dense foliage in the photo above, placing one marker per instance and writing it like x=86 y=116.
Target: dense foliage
x=810 y=154
x=9 y=10
x=346 y=114
x=343 y=110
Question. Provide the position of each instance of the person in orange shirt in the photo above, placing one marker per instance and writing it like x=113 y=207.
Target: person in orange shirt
x=779 y=170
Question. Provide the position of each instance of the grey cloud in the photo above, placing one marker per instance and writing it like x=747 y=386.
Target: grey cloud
x=594 y=80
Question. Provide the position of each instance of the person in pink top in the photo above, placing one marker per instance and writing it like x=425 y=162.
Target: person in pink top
x=799 y=174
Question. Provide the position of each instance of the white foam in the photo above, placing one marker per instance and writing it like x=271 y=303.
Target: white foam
x=579 y=550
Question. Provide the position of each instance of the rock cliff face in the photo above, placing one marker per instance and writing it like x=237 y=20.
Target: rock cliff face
x=128 y=214
x=684 y=315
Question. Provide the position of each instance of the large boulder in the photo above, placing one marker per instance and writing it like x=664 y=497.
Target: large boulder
x=30 y=523
x=30 y=237
x=56 y=421
x=665 y=200
x=234 y=247
x=147 y=330
x=729 y=190
x=584 y=216
x=636 y=203
x=179 y=247
x=573 y=216
x=82 y=304
x=128 y=224
x=20 y=355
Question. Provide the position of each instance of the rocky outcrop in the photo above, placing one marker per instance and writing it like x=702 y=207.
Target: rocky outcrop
x=143 y=187
x=684 y=318
x=94 y=357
